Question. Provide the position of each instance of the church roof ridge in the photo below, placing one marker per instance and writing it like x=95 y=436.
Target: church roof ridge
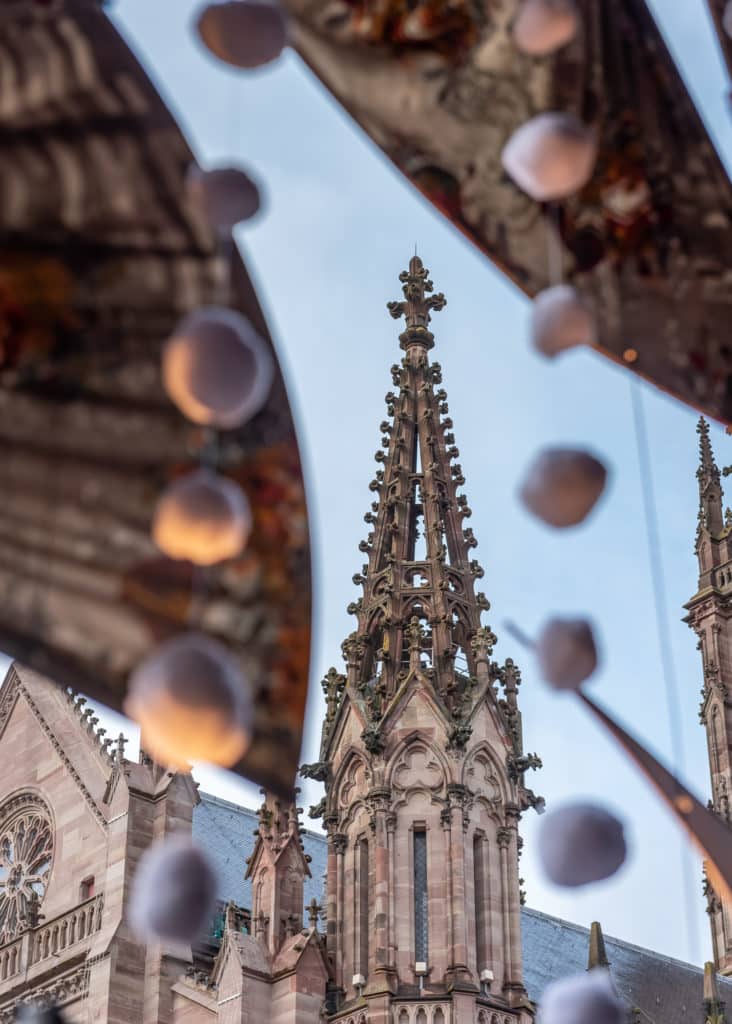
x=622 y=943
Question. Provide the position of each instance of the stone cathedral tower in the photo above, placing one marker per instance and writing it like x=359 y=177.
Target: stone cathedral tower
x=710 y=616
x=422 y=750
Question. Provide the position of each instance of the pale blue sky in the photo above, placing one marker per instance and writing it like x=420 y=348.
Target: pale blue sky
x=338 y=227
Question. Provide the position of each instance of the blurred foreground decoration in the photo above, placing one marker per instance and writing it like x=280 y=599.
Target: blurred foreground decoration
x=441 y=87
x=100 y=256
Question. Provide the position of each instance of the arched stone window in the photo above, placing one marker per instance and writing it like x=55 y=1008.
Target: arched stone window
x=421 y=1016
x=26 y=858
x=421 y=898
x=716 y=742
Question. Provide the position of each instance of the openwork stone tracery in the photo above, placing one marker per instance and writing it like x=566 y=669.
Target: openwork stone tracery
x=26 y=858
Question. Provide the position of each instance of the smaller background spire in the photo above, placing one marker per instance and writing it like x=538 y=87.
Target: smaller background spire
x=711 y=516
x=598 y=953
x=713 y=1005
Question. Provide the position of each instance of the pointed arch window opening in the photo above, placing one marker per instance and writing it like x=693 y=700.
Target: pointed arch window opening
x=461 y=658
x=417 y=454
x=373 y=663
x=362 y=907
x=417 y=550
x=426 y=654
x=482 y=910
x=716 y=742
x=421 y=896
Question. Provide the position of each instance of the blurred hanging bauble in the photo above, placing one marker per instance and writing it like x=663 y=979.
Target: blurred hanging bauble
x=30 y=1014
x=543 y=26
x=566 y=652
x=551 y=156
x=203 y=518
x=581 y=843
x=216 y=368
x=244 y=33
x=561 y=319
x=562 y=486
x=582 y=999
x=727 y=18
x=173 y=892
x=192 y=703
x=225 y=196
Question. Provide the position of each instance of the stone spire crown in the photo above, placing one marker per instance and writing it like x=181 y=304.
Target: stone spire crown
x=419 y=608
x=710 y=488
x=417 y=305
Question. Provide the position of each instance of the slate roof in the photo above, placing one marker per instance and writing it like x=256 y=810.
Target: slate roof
x=666 y=991
x=226 y=832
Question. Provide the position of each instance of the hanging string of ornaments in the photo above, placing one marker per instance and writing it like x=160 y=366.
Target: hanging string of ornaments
x=189 y=697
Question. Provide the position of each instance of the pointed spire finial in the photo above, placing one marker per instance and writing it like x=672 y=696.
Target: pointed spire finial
x=710 y=489
x=419 y=303
x=707 y=465
x=598 y=954
x=713 y=1005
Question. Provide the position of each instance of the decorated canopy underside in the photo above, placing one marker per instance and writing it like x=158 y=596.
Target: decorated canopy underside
x=441 y=87
x=99 y=257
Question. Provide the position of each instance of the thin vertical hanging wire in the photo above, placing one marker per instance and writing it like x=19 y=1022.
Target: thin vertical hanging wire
x=210 y=453
x=668 y=670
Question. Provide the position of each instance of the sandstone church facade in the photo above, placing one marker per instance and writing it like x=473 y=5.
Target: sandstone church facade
x=409 y=909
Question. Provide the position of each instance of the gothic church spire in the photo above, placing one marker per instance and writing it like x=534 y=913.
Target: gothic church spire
x=419 y=609
x=421 y=756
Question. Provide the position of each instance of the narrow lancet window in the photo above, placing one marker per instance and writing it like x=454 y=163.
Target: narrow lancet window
x=481 y=902
x=421 y=913
x=363 y=908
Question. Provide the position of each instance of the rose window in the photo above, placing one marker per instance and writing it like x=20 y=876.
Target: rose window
x=26 y=851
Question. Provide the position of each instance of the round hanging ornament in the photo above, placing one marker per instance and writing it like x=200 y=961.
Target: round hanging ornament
x=543 y=26
x=173 y=892
x=588 y=998
x=550 y=157
x=216 y=368
x=561 y=319
x=243 y=33
x=224 y=195
x=562 y=486
x=203 y=518
x=192 y=703
x=581 y=843
x=566 y=653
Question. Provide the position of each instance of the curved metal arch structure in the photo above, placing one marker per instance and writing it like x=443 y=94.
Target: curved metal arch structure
x=100 y=255
x=440 y=88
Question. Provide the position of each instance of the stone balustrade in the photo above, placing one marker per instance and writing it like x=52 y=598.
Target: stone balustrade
x=10 y=959
x=51 y=938
x=486 y=1016
x=423 y=1012
x=56 y=936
